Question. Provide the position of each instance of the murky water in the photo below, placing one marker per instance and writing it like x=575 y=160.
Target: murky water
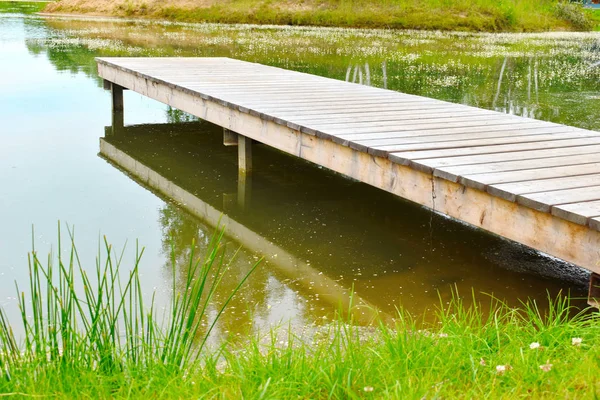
x=322 y=235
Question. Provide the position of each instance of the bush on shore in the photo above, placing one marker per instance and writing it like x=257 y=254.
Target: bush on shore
x=468 y=15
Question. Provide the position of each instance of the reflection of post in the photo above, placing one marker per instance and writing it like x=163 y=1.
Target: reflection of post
x=117 y=107
x=499 y=83
x=244 y=170
x=245 y=154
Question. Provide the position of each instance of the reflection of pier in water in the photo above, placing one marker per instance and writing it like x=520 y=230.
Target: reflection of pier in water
x=327 y=289
x=329 y=233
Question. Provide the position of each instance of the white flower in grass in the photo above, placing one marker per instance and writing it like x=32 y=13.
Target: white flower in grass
x=576 y=341
x=501 y=369
x=368 y=388
x=534 y=345
x=546 y=367
x=482 y=361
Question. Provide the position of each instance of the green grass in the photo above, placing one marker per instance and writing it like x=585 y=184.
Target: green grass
x=76 y=323
x=99 y=341
x=22 y=7
x=469 y=15
x=594 y=16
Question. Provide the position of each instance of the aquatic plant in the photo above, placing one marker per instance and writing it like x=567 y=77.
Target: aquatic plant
x=481 y=351
x=99 y=322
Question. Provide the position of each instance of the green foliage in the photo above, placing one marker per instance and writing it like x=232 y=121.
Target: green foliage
x=22 y=7
x=504 y=353
x=76 y=323
x=464 y=15
x=105 y=344
x=575 y=14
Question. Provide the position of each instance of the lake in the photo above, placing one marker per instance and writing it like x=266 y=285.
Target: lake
x=323 y=236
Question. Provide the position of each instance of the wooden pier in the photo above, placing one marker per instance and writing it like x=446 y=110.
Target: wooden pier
x=534 y=182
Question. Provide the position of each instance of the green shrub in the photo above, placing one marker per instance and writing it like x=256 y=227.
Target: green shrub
x=574 y=14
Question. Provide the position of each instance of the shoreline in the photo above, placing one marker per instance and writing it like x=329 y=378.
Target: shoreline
x=469 y=16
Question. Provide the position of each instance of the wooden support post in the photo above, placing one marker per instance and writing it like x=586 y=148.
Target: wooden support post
x=230 y=138
x=118 y=119
x=594 y=290
x=245 y=154
x=244 y=171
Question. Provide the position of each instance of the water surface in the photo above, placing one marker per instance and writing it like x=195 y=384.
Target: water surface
x=322 y=235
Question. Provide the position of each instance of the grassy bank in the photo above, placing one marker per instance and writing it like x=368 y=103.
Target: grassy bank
x=22 y=7
x=101 y=342
x=471 y=15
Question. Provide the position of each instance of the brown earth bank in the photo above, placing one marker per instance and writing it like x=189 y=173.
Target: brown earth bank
x=468 y=15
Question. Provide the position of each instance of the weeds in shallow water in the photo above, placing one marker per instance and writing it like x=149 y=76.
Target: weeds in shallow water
x=92 y=337
x=100 y=323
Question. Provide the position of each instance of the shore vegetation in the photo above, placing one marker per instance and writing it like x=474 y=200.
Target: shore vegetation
x=464 y=15
x=90 y=335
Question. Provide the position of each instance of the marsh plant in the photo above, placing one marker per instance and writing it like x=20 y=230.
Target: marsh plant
x=73 y=320
x=92 y=336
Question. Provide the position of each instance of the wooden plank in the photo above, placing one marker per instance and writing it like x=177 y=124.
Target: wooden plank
x=509 y=191
x=393 y=125
x=481 y=181
x=323 y=108
x=417 y=115
x=423 y=112
x=546 y=200
x=376 y=136
x=510 y=156
x=418 y=143
x=454 y=173
x=594 y=223
x=431 y=112
x=320 y=104
x=354 y=110
x=453 y=137
x=580 y=213
x=567 y=141
x=329 y=106
x=290 y=90
x=379 y=139
x=395 y=119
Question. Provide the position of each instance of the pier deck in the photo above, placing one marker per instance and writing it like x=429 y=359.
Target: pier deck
x=534 y=182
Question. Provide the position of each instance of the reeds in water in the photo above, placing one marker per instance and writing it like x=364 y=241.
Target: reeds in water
x=101 y=323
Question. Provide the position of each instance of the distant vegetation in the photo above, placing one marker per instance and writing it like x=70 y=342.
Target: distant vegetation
x=468 y=15
x=22 y=7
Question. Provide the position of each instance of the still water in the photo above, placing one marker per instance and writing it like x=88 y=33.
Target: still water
x=166 y=177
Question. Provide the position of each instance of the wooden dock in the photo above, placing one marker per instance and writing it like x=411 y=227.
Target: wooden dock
x=534 y=182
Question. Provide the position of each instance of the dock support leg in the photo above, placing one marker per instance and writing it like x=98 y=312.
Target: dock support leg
x=245 y=154
x=116 y=92
x=117 y=107
x=244 y=170
x=594 y=290
x=230 y=138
